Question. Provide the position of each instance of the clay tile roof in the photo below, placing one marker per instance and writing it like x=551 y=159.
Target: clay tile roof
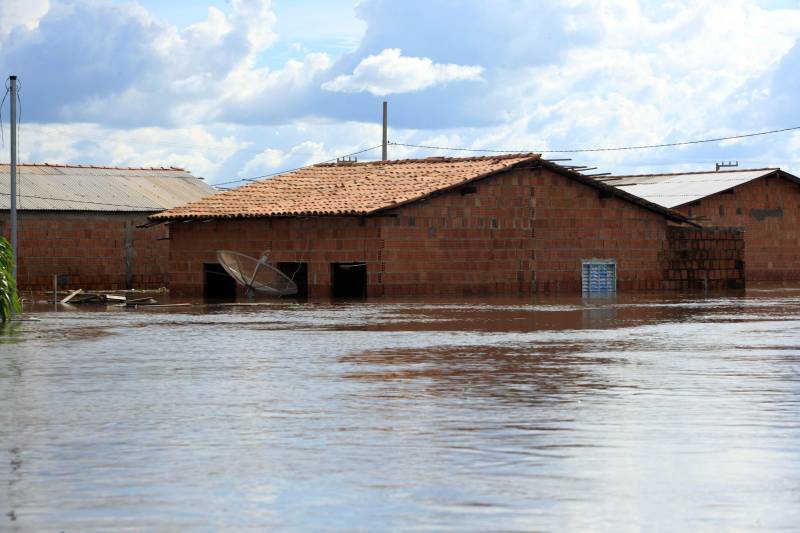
x=345 y=188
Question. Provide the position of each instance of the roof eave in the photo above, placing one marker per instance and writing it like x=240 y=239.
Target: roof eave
x=774 y=172
x=666 y=212
x=515 y=166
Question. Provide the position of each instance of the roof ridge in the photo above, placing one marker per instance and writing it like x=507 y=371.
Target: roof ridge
x=693 y=172
x=100 y=167
x=436 y=159
x=368 y=189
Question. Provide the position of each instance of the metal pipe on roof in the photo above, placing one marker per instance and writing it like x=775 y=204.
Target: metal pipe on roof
x=13 y=176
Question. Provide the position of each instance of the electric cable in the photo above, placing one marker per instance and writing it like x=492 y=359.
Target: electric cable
x=256 y=178
x=610 y=149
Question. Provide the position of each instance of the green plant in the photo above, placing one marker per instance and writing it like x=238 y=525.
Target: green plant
x=9 y=299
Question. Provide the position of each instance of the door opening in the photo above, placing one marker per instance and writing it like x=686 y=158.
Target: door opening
x=218 y=284
x=297 y=272
x=349 y=280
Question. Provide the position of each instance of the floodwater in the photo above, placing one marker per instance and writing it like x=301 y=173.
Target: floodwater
x=646 y=412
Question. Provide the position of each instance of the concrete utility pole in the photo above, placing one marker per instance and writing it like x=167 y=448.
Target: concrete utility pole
x=385 y=131
x=13 y=210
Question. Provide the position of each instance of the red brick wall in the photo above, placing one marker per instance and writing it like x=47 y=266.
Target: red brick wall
x=90 y=249
x=476 y=243
x=574 y=222
x=707 y=258
x=516 y=233
x=316 y=241
x=769 y=211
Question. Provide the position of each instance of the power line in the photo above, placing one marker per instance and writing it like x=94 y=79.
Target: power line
x=255 y=178
x=611 y=149
x=19 y=125
x=2 y=103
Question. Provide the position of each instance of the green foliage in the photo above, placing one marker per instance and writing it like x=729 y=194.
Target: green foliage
x=9 y=299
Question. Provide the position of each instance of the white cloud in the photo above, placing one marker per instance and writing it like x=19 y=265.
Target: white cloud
x=194 y=148
x=390 y=72
x=14 y=13
x=582 y=73
x=274 y=160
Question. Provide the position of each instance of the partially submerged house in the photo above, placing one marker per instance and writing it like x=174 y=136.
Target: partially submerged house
x=765 y=202
x=513 y=224
x=84 y=224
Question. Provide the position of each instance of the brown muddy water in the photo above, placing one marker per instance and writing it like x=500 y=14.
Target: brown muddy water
x=650 y=412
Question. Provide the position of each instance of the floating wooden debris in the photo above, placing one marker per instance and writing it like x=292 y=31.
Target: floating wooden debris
x=81 y=297
x=87 y=298
x=71 y=295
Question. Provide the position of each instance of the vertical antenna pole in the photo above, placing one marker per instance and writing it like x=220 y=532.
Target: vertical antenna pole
x=385 y=131
x=13 y=210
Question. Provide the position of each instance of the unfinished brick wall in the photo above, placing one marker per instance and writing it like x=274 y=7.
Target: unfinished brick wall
x=574 y=221
x=316 y=241
x=473 y=240
x=707 y=258
x=518 y=232
x=93 y=251
x=769 y=211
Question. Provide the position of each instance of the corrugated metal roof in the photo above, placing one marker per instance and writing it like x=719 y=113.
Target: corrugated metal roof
x=46 y=187
x=673 y=190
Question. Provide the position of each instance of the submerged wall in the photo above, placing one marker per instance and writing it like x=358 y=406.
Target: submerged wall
x=769 y=211
x=93 y=251
x=520 y=232
x=707 y=258
x=316 y=241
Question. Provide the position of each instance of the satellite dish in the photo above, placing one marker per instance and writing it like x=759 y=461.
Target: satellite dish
x=257 y=275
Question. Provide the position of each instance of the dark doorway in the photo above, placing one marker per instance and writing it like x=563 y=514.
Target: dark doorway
x=218 y=284
x=297 y=272
x=349 y=280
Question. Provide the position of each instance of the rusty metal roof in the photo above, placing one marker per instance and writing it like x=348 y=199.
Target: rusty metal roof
x=361 y=189
x=674 y=190
x=50 y=187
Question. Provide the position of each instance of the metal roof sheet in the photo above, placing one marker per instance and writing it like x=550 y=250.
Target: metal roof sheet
x=673 y=190
x=44 y=187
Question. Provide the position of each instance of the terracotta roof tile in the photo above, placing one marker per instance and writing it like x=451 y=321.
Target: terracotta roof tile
x=358 y=189
x=345 y=189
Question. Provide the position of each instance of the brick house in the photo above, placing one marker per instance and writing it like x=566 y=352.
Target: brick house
x=764 y=202
x=513 y=224
x=84 y=224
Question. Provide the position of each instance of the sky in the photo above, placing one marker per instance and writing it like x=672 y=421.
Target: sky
x=235 y=89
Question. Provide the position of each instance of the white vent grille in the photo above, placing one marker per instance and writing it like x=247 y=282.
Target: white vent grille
x=599 y=276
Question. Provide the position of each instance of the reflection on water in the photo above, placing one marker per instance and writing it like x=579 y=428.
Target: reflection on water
x=651 y=412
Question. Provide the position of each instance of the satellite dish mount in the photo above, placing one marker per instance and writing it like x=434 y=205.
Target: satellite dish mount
x=256 y=275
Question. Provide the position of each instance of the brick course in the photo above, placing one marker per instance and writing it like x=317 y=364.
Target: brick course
x=768 y=209
x=707 y=258
x=518 y=232
x=90 y=249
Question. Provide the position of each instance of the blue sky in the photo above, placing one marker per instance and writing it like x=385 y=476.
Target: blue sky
x=240 y=88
